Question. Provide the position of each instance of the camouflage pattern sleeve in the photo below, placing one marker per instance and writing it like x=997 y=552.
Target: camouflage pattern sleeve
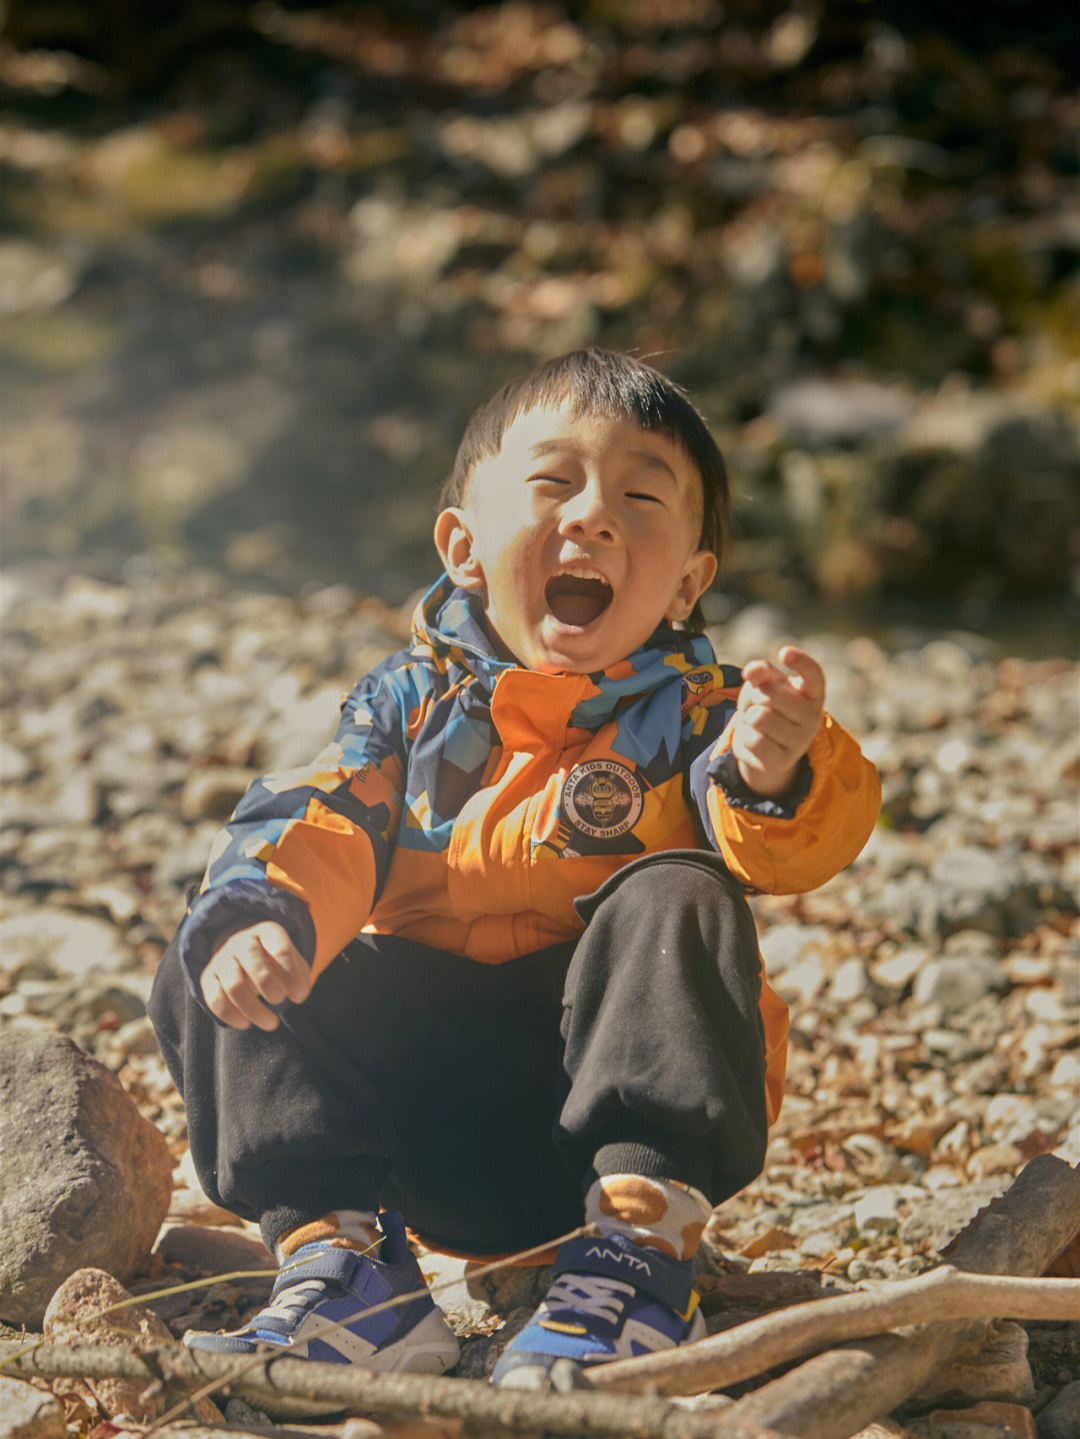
x=310 y=847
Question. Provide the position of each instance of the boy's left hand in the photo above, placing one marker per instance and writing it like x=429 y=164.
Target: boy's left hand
x=776 y=718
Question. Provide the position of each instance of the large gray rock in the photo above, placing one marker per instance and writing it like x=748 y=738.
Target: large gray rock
x=86 y=1179
x=957 y=981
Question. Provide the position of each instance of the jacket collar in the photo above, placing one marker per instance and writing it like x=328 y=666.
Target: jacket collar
x=449 y=629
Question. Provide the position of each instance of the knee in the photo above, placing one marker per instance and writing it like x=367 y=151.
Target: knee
x=687 y=873
x=691 y=882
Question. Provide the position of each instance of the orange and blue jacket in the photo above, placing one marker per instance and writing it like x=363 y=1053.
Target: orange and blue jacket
x=466 y=803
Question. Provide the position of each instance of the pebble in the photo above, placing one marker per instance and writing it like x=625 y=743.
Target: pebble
x=76 y=1316
x=1066 y=1073
x=877 y=1209
x=1060 y=1419
x=215 y=1250
x=955 y=981
x=850 y=982
x=896 y=971
x=28 y=1413
x=785 y=946
x=987 y=1420
x=47 y=943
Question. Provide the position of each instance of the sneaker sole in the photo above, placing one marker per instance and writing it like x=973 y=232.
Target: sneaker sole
x=430 y=1347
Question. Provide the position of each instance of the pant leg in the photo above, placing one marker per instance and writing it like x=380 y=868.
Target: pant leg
x=409 y=1076
x=440 y=1086
x=664 y=1042
x=281 y=1126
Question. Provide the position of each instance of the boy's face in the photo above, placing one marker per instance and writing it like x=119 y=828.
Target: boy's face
x=580 y=535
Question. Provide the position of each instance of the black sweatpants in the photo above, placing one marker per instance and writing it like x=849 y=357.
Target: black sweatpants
x=482 y=1100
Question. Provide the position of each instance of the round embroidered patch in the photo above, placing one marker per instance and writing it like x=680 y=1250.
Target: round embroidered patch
x=601 y=798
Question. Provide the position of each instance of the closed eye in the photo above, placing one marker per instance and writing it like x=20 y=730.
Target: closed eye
x=642 y=495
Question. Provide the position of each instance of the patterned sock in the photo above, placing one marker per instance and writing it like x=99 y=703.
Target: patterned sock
x=346 y=1228
x=663 y=1214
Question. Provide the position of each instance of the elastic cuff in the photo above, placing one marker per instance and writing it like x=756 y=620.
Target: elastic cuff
x=672 y=1158
x=314 y=1187
x=217 y=913
x=724 y=771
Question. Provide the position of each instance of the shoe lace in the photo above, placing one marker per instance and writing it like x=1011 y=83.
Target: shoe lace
x=591 y=1294
x=291 y=1303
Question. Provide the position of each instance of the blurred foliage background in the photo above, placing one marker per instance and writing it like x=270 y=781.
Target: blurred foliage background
x=259 y=261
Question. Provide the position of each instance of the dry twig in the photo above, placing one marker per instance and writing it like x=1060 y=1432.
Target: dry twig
x=840 y=1391
x=751 y=1348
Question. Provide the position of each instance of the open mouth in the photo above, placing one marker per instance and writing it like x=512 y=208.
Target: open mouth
x=577 y=599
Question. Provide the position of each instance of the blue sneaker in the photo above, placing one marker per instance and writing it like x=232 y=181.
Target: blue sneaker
x=318 y=1310
x=609 y=1299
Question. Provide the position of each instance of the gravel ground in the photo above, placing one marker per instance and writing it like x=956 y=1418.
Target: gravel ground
x=934 y=986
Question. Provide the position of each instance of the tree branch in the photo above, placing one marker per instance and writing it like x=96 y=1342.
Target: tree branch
x=386 y=1396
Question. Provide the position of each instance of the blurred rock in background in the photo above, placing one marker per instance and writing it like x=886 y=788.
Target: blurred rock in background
x=258 y=263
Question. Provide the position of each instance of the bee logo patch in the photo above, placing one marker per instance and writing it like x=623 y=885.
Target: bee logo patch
x=601 y=798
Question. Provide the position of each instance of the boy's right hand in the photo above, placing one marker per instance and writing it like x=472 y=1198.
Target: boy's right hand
x=251 y=969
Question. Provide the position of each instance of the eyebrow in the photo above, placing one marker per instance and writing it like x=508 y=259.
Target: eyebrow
x=550 y=447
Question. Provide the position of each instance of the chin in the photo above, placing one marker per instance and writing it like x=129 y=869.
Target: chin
x=585 y=649
x=551 y=661
x=553 y=665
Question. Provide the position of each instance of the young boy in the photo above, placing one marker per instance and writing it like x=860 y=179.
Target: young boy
x=487 y=968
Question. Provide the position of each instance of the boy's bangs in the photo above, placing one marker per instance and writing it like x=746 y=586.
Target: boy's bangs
x=596 y=383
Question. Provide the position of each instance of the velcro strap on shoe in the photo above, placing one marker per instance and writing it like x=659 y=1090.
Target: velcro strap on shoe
x=337 y=1265
x=671 y=1281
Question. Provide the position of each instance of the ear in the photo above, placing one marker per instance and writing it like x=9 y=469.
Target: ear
x=697 y=576
x=454 y=542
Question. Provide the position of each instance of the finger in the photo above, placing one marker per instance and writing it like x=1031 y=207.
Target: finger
x=782 y=712
x=764 y=684
x=241 y=989
x=219 y=1004
x=808 y=676
x=253 y=1009
x=760 y=672
x=293 y=969
x=779 y=696
x=768 y=748
x=262 y=974
x=801 y=673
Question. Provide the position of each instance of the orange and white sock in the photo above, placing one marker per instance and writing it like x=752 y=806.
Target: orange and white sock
x=662 y=1214
x=345 y=1228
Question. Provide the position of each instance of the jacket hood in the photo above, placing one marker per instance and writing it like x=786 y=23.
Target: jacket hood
x=449 y=629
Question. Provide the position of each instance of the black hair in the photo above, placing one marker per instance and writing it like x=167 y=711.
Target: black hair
x=604 y=382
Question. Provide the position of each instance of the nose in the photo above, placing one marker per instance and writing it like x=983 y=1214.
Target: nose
x=587 y=513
